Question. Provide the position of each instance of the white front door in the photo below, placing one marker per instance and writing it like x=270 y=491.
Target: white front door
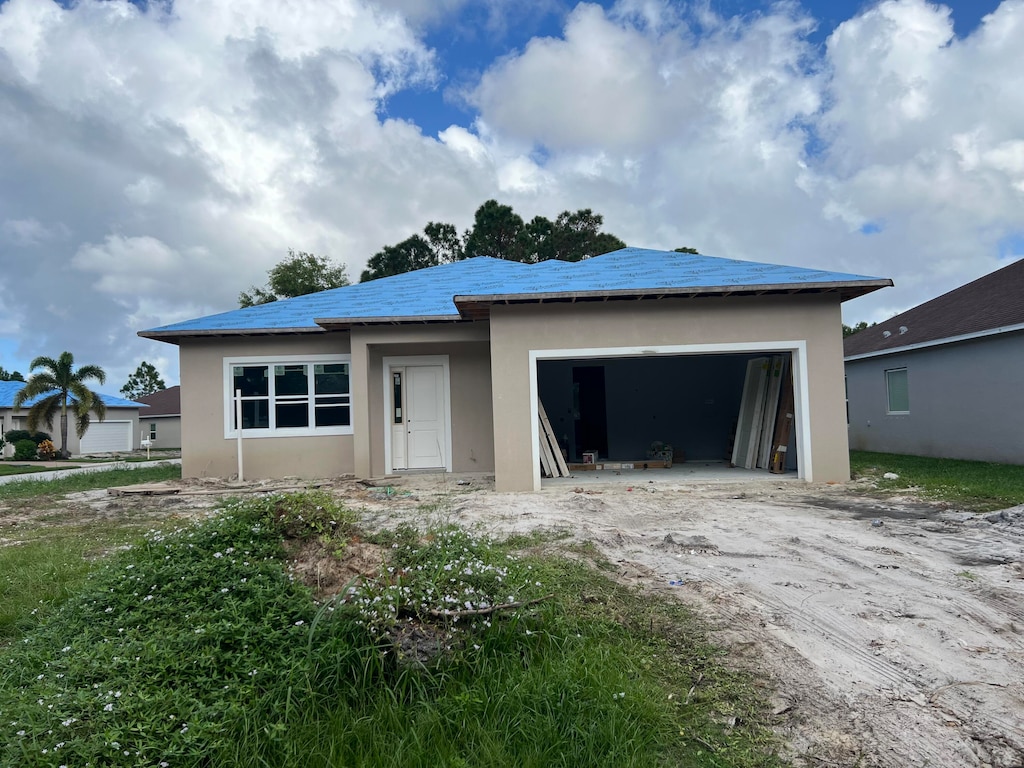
x=418 y=417
x=425 y=420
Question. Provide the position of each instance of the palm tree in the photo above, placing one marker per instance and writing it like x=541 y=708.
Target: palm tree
x=56 y=385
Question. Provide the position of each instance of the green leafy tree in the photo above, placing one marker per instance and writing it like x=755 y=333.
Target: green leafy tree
x=849 y=330
x=687 y=249
x=499 y=232
x=439 y=244
x=572 y=237
x=145 y=381
x=411 y=254
x=445 y=242
x=6 y=375
x=301 y=273
x=59 y=387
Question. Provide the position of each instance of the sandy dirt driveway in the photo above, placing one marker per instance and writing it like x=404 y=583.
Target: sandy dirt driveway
x=892 y=632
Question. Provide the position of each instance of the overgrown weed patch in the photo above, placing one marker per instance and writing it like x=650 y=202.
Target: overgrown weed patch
x=198 y=647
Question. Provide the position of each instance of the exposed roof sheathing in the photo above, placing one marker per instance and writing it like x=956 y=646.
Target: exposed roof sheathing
x=429 y=295
x=989 y=303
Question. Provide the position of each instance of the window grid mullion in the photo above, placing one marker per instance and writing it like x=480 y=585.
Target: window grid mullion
x=311 y=395
x=272 y=396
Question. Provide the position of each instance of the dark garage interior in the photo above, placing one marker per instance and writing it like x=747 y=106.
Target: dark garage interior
x=620 y=406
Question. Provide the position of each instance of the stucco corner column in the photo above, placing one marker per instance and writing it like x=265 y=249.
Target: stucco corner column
x=361 y=406
x=512 y=402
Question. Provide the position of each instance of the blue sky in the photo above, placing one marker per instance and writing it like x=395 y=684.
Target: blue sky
x=467 y=45
x=159 y=158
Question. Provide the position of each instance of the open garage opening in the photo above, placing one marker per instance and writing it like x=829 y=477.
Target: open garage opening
x=678 y=411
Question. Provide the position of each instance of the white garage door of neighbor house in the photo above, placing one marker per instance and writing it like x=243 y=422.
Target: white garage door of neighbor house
x=107 y=437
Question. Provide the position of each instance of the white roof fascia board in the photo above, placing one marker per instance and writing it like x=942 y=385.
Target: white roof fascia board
x=937 y=342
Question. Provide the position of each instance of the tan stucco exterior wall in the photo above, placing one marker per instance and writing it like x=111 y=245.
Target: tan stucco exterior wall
x=518 y=329
x=467 y=347
x=204 y=450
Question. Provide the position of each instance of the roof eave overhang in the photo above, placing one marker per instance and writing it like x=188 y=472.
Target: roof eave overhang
x=344 y=323
x=173 y=337
x=475 y=306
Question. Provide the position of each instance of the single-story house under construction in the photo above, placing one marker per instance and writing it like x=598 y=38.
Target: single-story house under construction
x=117 y=432
x=445 y=368
x=946 y=378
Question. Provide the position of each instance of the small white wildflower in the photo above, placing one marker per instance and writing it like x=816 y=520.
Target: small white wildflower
x=108 y=707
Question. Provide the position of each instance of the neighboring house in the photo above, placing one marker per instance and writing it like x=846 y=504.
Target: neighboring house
x=160 y=420
x=442 y=368
x=117 y=432
x=946 y=378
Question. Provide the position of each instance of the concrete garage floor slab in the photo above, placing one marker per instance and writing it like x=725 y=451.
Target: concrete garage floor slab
x=678 y=474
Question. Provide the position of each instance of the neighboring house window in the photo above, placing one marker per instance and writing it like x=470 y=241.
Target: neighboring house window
x=152 y=431
x=897 y=391
x=288 y=395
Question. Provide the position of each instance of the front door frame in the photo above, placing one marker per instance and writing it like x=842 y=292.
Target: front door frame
x=411 y=361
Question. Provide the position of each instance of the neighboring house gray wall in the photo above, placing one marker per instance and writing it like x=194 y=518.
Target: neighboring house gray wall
x=966 y=401
x=167 y=429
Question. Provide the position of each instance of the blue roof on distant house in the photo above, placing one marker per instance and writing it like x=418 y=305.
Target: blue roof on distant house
x=459 y=290
x=9 y=388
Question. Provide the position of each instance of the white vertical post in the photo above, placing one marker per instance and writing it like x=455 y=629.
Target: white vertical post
x=238 y=431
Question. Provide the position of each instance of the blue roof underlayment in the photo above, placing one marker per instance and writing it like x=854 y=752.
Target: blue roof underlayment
x=428 y=293
x=9 y=388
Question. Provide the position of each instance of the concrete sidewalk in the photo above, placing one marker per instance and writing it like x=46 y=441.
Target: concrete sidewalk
x=57 y=473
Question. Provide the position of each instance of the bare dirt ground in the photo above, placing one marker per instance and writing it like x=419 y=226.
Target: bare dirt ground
x=891 y=632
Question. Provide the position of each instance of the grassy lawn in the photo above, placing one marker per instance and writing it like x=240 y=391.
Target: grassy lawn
x=21 y=469
x=975 y=485
x=197 y=647
x=47 y=566
x=106 y=478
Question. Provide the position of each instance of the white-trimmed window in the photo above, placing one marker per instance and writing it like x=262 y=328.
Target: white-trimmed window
x=897 y=391
x=288 y=395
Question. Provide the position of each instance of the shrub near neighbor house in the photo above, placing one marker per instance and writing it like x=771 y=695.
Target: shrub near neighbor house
x=14 y=435
x=25 y=450
x=47 y=451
